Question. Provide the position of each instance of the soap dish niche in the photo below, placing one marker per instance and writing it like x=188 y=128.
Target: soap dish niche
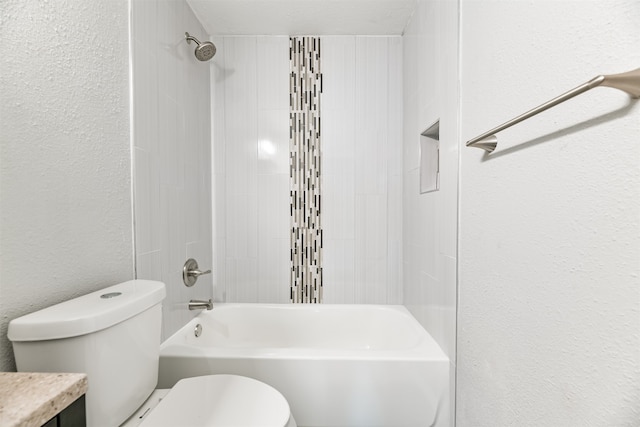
x=430 y=159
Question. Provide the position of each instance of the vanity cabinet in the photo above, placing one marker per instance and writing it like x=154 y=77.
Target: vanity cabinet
x=74 y=415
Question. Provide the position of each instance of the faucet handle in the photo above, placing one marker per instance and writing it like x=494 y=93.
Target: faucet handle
x=190 y=272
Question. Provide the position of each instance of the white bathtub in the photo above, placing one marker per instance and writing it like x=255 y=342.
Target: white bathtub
x=337 y=365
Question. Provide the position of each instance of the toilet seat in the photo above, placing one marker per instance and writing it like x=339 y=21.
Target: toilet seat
x=220 y=401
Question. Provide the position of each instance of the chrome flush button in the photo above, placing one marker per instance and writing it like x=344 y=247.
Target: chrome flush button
x=110 y=295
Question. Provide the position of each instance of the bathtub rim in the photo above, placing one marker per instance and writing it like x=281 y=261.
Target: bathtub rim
x=427 y=348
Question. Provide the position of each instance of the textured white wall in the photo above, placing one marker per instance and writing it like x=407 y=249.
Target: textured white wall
x=430 y=220
x=549 y=314
x=172 y=153
x=361 y=125
x=65 y=180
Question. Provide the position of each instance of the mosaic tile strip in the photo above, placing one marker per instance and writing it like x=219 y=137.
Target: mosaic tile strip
x=305 y=166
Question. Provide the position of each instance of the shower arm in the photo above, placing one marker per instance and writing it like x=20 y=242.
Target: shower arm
x=628 y=82
x=190 y=38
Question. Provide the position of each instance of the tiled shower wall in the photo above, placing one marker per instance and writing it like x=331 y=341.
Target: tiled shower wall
x=430 y=219
x=172 y=172
x=362 y=169
x=362 y=152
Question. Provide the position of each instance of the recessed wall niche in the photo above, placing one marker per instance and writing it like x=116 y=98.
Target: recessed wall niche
x=430 y=159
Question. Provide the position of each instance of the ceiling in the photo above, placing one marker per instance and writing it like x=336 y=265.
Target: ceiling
x=303 y=17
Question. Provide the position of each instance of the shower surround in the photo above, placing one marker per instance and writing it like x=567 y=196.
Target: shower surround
x=360 y=124
x=171 y=153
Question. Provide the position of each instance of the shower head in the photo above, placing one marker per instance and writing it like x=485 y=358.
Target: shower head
x=204 y=51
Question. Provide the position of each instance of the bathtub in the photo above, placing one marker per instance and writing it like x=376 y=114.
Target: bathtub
x=337 y=365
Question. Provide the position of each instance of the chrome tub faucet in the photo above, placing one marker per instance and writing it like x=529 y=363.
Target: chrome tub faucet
x=196 y=304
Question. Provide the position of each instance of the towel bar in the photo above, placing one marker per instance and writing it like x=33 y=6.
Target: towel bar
x=628 y=82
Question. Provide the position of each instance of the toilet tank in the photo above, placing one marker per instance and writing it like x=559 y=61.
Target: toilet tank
x=112 y=335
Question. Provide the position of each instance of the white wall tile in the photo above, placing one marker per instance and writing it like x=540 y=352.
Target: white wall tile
x=394 y=272
x=339 y=271
x=144 y=16
x=412 y=291
x=338 y=69
x=273 y=271
x=219 y=195
x=242 y=226
x=218 y=81
x=371 y=230
x=242 y=276
x=375 y=278
x=394 y=106
x=249 y=76
x=338 y=136
x=172 y=135
x=149 y=265
x=197 y=221
x=427 y=231
x=361 y=122
x=172 y=226
x=273 y=207
x=219 y=273
x=371 y=115
x=169 y=39
x=339 y=214
x=448 y=303
x=273 y=141
x=448 y=209
x=430 y=78
x=338 y=178
x=235 y=160
x=394 y=239
x=371 y=249
x=171 y=154
x=147 y=208
x=241 y=114
x=395 y=175
x=410 y=101
x=273 y=75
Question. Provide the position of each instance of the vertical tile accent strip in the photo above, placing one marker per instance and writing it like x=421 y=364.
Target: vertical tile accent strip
x=305 y=169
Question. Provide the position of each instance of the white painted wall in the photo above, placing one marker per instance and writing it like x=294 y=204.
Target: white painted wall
x=549 y=314
x=172 y=153
x=361 y=113
x=65 y=180
x=430 y=63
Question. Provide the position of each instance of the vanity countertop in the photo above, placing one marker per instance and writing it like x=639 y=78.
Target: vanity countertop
x=32 y=399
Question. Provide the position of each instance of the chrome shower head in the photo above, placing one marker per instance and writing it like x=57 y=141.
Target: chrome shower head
x=204 y=51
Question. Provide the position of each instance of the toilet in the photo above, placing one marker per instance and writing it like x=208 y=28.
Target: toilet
x=113 y=335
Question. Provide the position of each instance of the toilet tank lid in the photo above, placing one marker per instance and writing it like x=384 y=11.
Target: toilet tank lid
x=88 y=313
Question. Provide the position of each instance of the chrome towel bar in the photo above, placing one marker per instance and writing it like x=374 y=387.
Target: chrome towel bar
x=628 y=82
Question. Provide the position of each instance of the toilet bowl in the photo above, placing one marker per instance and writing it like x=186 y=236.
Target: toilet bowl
x=221 y=400
x=113 y=336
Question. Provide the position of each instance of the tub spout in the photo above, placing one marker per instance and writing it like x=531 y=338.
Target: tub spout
x=196 y=304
